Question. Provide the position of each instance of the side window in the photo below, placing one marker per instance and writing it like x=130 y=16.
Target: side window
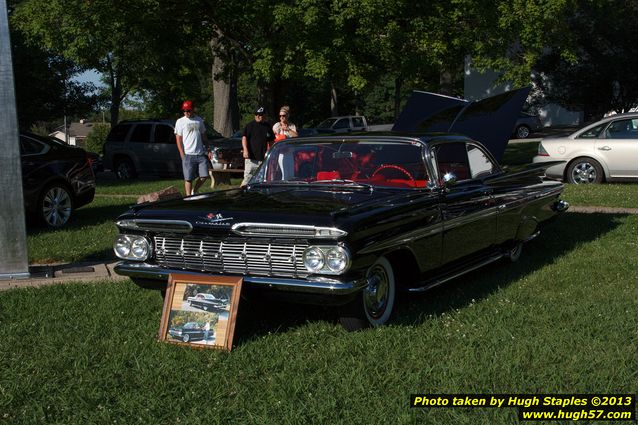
x=118 y=133
x=452 y=158
x=480 y=163
x=29 y=146
x=622 y=129
x=592 y=133
x=141 y=133
x=342 y=123
x=357 y=122
x=164 y=134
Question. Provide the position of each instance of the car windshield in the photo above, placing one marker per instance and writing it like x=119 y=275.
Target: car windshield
x=327 y=123
x=369 y=163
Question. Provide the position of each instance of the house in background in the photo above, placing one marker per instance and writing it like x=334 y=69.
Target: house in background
x=77 y=133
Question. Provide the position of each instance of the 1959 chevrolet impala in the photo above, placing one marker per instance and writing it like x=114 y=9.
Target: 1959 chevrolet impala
x=350 y=220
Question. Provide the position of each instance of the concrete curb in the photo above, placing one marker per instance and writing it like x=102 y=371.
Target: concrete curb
x=49 y=274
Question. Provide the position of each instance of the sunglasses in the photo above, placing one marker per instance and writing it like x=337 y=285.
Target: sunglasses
x=282 y=116
x=188 y=110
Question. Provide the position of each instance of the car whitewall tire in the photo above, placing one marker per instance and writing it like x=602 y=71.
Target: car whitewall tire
x=380 y=294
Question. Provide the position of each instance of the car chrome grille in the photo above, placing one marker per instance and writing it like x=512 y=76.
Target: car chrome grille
x=251 y=257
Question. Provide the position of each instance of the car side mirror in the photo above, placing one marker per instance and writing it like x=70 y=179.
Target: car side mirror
x=449 y=179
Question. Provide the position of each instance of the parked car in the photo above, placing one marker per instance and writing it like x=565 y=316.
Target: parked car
x=346 y=220
x=97 y=163
x=190 y=331
x=144 y=147
x=606 y=150
x=207 y=302
x=56 y=179
x=343 y=124
x=227 y=153
x=526 y=124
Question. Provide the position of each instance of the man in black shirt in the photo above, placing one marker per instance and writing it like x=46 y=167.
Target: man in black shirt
x=254 y=141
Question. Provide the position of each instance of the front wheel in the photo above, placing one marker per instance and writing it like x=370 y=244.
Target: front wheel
x=56 y=205
x=584 y=171
x=186 y=337
x=376 y=304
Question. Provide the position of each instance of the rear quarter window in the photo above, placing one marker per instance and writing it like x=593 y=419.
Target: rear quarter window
x=141 y=133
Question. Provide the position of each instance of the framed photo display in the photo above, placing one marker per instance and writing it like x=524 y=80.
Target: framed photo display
x=200 y=311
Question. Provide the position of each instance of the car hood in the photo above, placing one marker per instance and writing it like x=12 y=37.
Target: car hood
x=290 y=205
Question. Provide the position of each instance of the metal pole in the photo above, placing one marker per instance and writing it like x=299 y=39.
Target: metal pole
x=13 y=239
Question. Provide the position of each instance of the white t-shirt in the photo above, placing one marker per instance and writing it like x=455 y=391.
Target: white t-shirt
x=191 y=130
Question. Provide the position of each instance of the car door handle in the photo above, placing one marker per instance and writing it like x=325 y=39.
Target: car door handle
x=604 y=148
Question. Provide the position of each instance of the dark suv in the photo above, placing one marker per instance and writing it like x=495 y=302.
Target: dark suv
x=144 y=147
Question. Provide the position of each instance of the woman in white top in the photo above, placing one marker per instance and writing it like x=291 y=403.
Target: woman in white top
x=284 y=127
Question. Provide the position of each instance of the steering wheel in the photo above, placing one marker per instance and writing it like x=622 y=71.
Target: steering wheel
x=393 y=167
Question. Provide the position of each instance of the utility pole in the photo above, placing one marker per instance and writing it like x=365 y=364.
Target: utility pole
x=13 y=238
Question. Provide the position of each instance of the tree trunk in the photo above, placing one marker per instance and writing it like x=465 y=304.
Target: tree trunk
x=116 y=95
x=398 y=83
x=225 y=108
x=445 y=82
x=334 y=105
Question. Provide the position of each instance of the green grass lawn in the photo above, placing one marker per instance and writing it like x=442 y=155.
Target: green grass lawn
x=561 y=320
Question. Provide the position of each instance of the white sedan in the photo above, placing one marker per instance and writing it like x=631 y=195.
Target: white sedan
x=604 y=151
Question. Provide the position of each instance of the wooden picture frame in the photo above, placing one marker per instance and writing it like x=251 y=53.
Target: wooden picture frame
x=200 y=311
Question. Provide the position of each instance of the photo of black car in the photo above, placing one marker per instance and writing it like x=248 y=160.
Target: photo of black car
x=207 y=302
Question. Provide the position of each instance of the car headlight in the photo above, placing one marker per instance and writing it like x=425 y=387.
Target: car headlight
x=326 y=259
x=313 y=259
x=337 y=259
x=132 y=247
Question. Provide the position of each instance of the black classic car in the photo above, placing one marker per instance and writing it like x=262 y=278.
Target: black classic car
x=207 y=302
x=190 y=331
x=350 y=220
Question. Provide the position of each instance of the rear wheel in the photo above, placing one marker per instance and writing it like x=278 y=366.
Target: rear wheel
x=56 y=205
x=584 y=170
x=124 y=169
x=376 y=304
x=522 y=132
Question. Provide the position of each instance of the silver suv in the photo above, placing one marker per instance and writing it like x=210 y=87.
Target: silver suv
x=343 y=124
x=136 y=147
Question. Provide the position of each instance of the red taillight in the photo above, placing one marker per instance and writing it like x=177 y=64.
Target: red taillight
x=541 y=150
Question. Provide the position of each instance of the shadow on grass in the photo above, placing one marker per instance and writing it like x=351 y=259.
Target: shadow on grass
x=89 y=215
x=259 y=316
x=556 y=239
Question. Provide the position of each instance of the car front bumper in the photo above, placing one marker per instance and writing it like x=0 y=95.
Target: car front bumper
x=315 y=285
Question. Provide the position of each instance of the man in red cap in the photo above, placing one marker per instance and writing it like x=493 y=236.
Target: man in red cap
x=190 y=134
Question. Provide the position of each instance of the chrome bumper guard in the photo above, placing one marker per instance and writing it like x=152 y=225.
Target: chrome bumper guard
x=318 y=285
x=560 y=206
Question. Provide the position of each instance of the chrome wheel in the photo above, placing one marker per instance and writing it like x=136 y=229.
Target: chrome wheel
x=379 y=295
x=522 y=132
x=56 y=206
x=585 y=171
x=186 y=337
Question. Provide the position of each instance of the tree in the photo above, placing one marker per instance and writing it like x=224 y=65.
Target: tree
x=598 y=78
x=45 y=91
x=120 y=40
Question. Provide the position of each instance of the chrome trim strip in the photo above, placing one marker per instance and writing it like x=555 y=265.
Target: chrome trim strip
x=287 y=230
x=175 y=226
x=438 y=282
x=318 y=285
x=460 y=221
